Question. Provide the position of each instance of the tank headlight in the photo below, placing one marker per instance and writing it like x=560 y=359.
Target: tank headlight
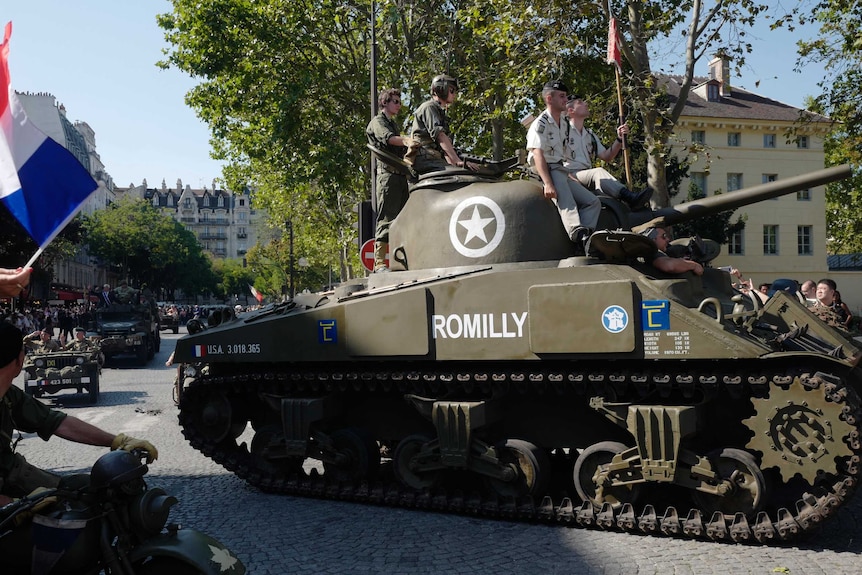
x=190 y=371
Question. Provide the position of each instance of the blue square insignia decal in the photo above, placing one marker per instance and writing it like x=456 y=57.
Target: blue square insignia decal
x=655 y=314
x=327 y=331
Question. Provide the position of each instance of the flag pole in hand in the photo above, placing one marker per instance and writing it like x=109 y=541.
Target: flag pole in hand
x=614 y=58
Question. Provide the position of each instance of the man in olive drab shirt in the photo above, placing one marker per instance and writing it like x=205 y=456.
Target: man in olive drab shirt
x=25 y=413
x=41 y=342
x=383 y=134
x=431 y=135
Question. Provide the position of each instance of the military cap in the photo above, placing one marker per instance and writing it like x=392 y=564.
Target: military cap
x=556 y=85
x=77 y=329
x=573 y=97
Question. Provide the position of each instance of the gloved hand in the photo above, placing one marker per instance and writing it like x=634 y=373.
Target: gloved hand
x=27 y=516
x=128 y=443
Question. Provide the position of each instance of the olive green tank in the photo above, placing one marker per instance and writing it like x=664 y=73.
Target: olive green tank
x=495 y=372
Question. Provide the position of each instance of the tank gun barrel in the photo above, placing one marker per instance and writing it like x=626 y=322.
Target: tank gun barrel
x=738 y=198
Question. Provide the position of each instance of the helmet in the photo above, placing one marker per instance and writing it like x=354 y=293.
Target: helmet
x=440 y=85
x=115 y=468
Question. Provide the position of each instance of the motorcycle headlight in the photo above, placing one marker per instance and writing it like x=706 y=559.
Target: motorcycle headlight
x=148 y=512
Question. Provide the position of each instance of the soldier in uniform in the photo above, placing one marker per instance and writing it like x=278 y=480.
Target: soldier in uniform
x=665 y=263
x=80 y=343
x=585 y=147
x=431 y=148
x=547 y=140
x=383 y=133
x=41 y=342
x=124 y=294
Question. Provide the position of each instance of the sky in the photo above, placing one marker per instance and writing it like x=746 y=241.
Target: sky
x=98 y=58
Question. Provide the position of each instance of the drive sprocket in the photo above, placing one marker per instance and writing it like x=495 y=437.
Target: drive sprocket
x=799 y=430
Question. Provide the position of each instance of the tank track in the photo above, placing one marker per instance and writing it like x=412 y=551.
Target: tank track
x=817 y=503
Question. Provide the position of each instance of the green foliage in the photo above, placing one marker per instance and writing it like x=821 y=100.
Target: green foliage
x=233 y=278
x=149 y=247
x=838 y=48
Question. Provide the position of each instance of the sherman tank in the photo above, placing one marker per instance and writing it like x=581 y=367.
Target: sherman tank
x=496 y=372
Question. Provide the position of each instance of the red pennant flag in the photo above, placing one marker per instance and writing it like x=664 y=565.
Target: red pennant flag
x=614 y=44
x=257 y=295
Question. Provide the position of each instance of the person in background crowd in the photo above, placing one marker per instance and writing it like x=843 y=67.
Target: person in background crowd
x=763 y=288
x=837 y=304
x=809 y=290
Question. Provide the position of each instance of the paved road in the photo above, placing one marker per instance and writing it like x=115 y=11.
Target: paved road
x=279 y=535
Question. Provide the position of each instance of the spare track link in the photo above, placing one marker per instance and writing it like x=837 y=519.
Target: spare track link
x=816 y=505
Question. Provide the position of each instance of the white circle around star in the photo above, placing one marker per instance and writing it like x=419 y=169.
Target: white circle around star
x=475 y=225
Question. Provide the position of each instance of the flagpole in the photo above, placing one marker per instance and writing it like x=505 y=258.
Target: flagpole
x=34 y=258
x=622 y=121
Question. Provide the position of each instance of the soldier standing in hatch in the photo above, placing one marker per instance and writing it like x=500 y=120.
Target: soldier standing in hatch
x=383 y=133
x=432 y=149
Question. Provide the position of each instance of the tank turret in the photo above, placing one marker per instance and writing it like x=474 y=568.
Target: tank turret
x=460 y=218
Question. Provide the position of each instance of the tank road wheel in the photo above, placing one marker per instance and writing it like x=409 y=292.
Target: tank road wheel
x=215 y=419
x=533 y=468
x=741 y=478
x=361 y=455
x=591 y=476
x=265 y=446
x=404 y=471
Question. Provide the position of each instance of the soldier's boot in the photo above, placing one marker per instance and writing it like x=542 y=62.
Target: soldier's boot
x=380 y=251
x=636 y=200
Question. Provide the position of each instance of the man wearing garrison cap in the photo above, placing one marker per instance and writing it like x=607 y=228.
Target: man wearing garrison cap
x=547 y=140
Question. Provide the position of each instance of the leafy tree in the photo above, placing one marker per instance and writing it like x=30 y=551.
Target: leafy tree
x=717 y=227
x=839 y=49
x=149 y=247
x=233 y=278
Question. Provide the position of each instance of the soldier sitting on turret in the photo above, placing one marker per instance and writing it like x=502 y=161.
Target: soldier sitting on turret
x=40 y=342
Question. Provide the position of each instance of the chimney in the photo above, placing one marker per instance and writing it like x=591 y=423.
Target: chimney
x=719 y=69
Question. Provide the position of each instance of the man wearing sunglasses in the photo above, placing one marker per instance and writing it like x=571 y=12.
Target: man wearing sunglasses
x=383 y=133
x=432 y=148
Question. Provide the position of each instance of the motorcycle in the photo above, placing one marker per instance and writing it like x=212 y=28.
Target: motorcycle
x=109 y=522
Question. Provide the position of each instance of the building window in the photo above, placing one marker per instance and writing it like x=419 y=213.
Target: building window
x=733 y=139
x=770 y=240
x=698 y=136
x=712 y=92
x=242 y=202
x=769 y=178
x=735 y=246
x=206 y=201
x=155 y=200
x=803 y=195
x=221 y=201
x=242 y=216
x=187 y=203
x=803 y=240
x=768 y=140
x=170 y=200
x=802 y=142
x=734 y=181
x=698 y=180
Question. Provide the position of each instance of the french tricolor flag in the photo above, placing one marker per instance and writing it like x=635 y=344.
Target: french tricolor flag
x=199 y=351
x=41 y=183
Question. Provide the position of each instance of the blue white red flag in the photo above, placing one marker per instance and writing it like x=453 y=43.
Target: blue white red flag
x=41 y=183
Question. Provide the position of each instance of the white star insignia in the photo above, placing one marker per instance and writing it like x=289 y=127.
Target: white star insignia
x=475 y=226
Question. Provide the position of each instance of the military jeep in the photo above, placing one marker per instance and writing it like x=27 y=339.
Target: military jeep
x=48 y=373
x=128 y=329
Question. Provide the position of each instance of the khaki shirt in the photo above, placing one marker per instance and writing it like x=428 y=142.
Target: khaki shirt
x=429 y=121
x=549 y=137
x=20 y=411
